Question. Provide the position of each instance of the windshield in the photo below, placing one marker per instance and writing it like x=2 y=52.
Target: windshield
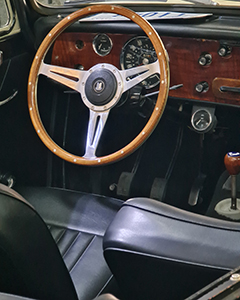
x=65 y=3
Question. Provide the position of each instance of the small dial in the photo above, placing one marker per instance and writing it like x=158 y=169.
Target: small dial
x=201 y=120
x=102 y=44
x=136 y=52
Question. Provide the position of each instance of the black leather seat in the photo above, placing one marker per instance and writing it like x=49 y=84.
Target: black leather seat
x=170 y=253
x=31 y=263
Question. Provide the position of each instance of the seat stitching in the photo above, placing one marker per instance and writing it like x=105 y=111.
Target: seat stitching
x=75 y=229
x=110 y=278
x=72 y=242
x=60 y=236
x=81 y=255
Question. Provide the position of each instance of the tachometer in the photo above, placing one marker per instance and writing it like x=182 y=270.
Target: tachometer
x=136 y=52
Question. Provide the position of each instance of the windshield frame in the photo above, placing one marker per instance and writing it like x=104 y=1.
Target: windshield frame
x=217 y=10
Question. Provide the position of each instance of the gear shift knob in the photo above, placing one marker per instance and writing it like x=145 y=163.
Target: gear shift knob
x=232 y=162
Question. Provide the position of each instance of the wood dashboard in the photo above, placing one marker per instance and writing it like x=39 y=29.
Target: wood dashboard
x=184 y=55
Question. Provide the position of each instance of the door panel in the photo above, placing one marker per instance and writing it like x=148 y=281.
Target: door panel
x=21 y=151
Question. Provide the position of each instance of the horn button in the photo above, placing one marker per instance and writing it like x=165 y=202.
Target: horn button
x=101 y=87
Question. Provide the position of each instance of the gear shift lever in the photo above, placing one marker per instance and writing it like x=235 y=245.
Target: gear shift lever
x=232 y=164
x=229 y=207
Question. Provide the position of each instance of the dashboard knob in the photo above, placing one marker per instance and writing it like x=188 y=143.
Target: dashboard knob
x=202 y=87
x=205 y=59
x=224 y=50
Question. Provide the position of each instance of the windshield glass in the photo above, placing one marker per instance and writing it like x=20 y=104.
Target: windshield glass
x=64 y=3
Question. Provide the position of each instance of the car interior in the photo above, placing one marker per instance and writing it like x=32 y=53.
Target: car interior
x=119 y=152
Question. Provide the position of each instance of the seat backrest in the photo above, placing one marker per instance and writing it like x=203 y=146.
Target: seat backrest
x=30 y=262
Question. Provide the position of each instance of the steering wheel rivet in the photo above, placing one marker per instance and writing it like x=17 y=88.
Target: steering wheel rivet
x=50 y=34
x=159 y=53
x=157 y=108
x=162 y=81
x=89 y=9
x=133 y=16
x=143 y=132
x=99 y=160
x=122 y=152
x=150 y=33
x=74 y=160
x=54 y=150
x=68 y=18
x=38 y=131
x=112 y=8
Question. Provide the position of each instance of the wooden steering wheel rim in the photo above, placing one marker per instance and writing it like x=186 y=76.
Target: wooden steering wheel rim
x=158 y=109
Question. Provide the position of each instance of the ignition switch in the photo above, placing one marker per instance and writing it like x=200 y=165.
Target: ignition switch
x=202 y=87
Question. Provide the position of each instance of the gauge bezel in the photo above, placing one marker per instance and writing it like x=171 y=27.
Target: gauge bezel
x=94 y=44
x=148 y=87
x=208 y=127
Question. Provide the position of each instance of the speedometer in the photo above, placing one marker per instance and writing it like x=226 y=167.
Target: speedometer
x=136 y=52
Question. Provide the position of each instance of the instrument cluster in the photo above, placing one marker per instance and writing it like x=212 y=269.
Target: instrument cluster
x=136 y=52
x=204 y=69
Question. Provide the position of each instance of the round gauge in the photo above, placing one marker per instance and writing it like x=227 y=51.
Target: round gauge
x=102 y=44
x=136 y=52
x=201 y=120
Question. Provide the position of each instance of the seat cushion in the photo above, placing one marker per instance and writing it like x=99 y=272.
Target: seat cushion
x=155 y=228
x=77 y=222
x=169 y=252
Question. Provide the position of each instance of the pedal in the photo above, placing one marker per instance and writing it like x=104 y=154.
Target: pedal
x=195 y=193
x=124 y=184
x=158 y=189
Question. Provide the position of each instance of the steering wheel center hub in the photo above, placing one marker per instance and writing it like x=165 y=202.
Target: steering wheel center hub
x=100 y=87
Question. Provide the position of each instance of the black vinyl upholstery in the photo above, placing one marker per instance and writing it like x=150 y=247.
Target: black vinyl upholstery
x=169 y=252
x=4 y=296
x=78 y=222
x=32 y=264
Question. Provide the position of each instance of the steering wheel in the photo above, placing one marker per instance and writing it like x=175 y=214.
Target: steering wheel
x=100 y=87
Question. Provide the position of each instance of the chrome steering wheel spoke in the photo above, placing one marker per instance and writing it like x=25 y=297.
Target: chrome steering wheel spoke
x=96 y=124
x=66 y=76
x=138 y=74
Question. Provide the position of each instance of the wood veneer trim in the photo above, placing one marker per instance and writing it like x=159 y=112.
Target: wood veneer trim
x=219 y=82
